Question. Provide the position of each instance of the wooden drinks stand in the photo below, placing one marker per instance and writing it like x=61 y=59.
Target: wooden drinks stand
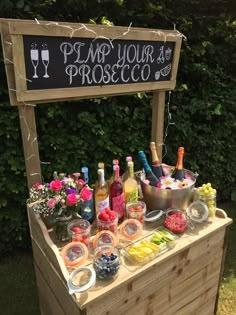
x=184 y=280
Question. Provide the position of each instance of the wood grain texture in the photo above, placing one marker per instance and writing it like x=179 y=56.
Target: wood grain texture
x=30 y=144
x=158 y=112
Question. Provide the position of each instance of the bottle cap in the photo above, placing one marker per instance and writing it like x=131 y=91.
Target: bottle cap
x=115 y=162
x=88 y=279
x=74 y=254
x=129 y=158
x=101 y=165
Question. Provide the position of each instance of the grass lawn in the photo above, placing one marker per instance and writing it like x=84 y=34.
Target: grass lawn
x=18 y=293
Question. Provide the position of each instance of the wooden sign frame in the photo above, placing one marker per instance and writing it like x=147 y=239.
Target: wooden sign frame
x=12 y=32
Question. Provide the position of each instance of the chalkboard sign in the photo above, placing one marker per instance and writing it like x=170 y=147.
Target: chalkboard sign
x=62 y=62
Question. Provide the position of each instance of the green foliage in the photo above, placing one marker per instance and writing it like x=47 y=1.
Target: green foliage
x=81 y=133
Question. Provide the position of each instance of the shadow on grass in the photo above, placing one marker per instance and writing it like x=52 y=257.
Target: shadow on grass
x=18 y=292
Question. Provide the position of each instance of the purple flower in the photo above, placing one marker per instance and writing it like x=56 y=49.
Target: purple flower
x=70 y=191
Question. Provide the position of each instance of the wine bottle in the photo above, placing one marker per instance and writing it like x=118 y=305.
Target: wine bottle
x=126 y=173
x=131 y=185
x=112 y=178
x=101 y=193
x=87 y=207
x=153 y=180
x=117 y=196
x=156 y=165
x=178 y=173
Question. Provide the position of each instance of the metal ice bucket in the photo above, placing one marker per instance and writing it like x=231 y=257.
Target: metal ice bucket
x=157 y=198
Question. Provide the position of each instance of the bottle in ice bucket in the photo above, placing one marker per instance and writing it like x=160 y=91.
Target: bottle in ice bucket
x=207 y=194
x=117 y=197
x=153 y=180
x=156 y=165
x=101 y=192
x=131 y=185
x=178 y=173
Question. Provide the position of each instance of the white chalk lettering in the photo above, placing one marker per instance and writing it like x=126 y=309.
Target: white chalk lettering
x=67 y=49
x=129 y=56
x=107 y=76
x=113 y=73
x=84 y=71
x=121 y=59
x=77 y=49
x=71 y=71
x=148 y=72
x=122 y=73
x=132 y=73
x=94 y=73
x=149 y=51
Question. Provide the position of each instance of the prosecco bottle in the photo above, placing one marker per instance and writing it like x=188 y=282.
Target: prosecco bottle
x=156 y=165
x=153 y=180
x=178 y=173
x=131 y=185
x=101 y=193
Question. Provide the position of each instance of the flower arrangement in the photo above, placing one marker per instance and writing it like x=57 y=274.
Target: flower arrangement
x=62 y=197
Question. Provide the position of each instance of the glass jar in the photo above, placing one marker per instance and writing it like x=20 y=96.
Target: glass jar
x=210 y=202
x=136 y=210
x=110 y=225
x=79 y=231
x=106 y=262
x=175 y=220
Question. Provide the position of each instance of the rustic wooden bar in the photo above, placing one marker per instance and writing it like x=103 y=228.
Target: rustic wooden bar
x=184 y=280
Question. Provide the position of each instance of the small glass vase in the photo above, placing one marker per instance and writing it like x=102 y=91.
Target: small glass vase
x=87 y=210
x=61 y=228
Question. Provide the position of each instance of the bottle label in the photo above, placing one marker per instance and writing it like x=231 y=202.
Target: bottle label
x=118 y=205
x=101 y=205
x=131 y=196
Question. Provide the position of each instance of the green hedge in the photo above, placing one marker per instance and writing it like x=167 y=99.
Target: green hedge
x=70 y=135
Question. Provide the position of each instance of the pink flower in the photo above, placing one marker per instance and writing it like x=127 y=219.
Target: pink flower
x=71 y=199
x=56 y=185
x=38 y=185
x=86 y=193
x=81 y=182
x=158 y=185
x=51 y=203
x=75 y=175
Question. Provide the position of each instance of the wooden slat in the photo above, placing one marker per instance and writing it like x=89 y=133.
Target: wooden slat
x=19 y=64
x=30 y=144
x=158 y=112
x=40 y=234
x=48 y=303
x=180 y=267
x=93 y=91
x=8 y=61
x=55 y=283
x=48 y=28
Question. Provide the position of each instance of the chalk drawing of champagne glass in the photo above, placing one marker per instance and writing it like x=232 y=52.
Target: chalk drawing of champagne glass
x=161 y=58
x=34 y=56
x=45 y=59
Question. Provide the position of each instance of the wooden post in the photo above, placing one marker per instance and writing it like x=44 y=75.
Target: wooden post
x=30 y=144
x=158 y=111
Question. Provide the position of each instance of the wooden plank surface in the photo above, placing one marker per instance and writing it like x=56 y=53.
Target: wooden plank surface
x=206 y=241
x=30 y=144
x=55 y=283
x=49 y=28
x=93 y=91
x=158 y=114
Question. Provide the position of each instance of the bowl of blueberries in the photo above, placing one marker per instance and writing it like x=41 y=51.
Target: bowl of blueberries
x=106 y=262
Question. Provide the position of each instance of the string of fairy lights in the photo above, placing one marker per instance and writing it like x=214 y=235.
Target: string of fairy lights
x=73 y=31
